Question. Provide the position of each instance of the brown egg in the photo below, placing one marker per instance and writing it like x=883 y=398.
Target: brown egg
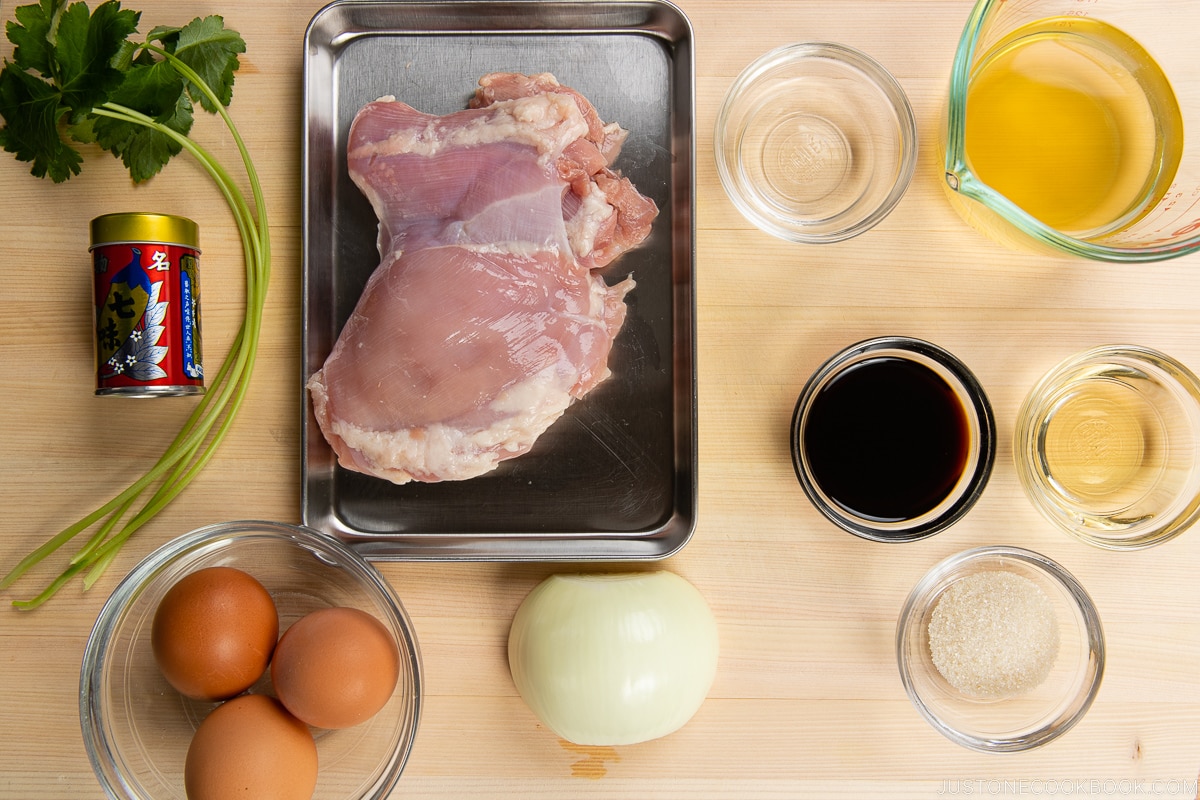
x=214 y=633
x=251 y=747
x=335 y=667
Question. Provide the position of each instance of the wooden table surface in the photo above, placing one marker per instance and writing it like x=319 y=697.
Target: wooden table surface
x=807 y=701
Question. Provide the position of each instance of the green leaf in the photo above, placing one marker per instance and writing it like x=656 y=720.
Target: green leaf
x=83 y=131
x=33 y=34
x=123 y=60
x=95 y=77
x=85 y=49
x=155 y=90
x=151 y=89
x=211 y=49
x=166 y=35
x=32 y=110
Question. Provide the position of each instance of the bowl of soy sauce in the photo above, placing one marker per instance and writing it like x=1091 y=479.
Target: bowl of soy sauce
x=893 y=439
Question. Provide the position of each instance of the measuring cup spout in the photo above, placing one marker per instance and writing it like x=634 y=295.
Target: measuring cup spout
x=1063 y=131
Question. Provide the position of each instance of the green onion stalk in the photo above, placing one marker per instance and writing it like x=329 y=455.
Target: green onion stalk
x=210 y=421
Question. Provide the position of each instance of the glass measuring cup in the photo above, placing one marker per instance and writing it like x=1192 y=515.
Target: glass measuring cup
x=1065 y=127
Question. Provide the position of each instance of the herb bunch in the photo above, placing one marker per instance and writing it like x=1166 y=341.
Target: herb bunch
x=77 y=78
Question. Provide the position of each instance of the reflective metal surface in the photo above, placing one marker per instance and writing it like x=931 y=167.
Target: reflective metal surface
x=615 y=477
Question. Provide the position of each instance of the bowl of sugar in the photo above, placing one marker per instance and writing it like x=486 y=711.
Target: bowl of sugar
x=1000 y=649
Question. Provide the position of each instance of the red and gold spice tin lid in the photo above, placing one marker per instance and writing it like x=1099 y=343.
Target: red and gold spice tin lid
x=144 y=227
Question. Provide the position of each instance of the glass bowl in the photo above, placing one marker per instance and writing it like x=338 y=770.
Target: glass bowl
x=893 y=439
x=1107 y=447
x=137 y=729
x=1018 y=720
x=816 y=142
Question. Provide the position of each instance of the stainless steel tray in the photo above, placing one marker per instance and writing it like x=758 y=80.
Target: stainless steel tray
x=615 y=478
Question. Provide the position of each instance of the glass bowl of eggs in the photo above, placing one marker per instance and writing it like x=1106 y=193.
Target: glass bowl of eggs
x=1000 y=649
x=253 y=654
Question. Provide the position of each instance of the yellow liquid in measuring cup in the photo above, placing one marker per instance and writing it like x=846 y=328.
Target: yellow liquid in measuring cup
x=1073 y=121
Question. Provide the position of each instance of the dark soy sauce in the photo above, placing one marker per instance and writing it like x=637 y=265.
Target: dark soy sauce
x=886 y=439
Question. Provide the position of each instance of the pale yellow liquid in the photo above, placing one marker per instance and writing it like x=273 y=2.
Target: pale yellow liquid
x=1104 y=443
x=1074 y=122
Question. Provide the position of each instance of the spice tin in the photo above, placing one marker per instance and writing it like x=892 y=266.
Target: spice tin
x=147 y=305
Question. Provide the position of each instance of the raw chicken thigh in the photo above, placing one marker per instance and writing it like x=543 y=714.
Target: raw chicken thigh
x=485 y=318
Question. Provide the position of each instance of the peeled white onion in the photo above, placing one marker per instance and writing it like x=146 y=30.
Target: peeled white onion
x=613 y=659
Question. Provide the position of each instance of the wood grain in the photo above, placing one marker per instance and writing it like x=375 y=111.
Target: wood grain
x=807 y=702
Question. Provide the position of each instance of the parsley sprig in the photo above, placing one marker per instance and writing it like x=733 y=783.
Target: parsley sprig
x=76 y=78
x=75 y=73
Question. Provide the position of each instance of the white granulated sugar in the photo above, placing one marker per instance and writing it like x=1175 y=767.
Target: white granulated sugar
x=993 y=634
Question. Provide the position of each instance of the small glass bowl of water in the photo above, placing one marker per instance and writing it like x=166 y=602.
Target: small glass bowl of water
x=816 y=142
x=1107 y=446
